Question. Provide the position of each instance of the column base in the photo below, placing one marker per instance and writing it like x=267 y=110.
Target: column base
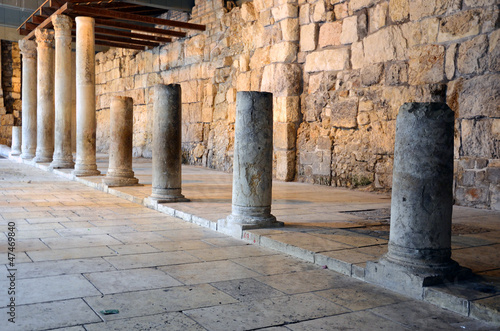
x=113 y=181
x=234 y=225
x=27 y=156
x=15 y=153
x=42 y=159
x=90 y=171
x=410 y=280
x=62 y=164
x=167 y=195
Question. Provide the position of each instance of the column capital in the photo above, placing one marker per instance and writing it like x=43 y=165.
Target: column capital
x=62 y=24
x=28 y=48
x=44 y=37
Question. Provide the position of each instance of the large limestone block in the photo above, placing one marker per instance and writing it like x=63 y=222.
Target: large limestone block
x=327 y=60
x=308 y=37
x=478 y=96
x=283 y=52
x=355 y=5
x=426 y=64
x=286 y=10
x=385 y=45
x=424 y=8
x=349 y=30
x=478 y=138
x=399 y=10
x=494 y=51
x=282 y=79
x=285 y=135
x=330 y=34
x=248 y=13
x=377 y=16
x=290 y=29
x=286 y=109
x=458 y=26
x=260 y=57
x=472 y=55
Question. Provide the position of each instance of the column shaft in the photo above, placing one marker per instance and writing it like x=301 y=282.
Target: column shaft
x=167 y=144
x=422 y=200
x=120 y=150
x=63 y=156
x=29 y=81
x=45 y=93
x=252 y=164
x=15 y=148
x=85 y=99
x=422 y=191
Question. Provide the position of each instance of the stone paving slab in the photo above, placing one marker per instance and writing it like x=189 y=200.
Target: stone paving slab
x=182 y=272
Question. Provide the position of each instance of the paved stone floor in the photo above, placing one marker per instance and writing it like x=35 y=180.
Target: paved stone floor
x=80 y=251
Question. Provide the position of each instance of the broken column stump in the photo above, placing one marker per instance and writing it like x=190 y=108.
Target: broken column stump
x=15 y=148
x=252 y=165
x=120 y=171
x=422 y=200
x=167 y=138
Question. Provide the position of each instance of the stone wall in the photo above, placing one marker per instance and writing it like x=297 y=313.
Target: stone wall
x=339 y=71
x=10 y=91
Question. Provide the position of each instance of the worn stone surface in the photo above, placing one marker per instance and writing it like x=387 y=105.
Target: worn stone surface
x=28 y=51
x=120 y=171
x=15 y=148
x=63 y=87
x=252 y=167
x=167 y=137
x=45 y=96
x=85 y=164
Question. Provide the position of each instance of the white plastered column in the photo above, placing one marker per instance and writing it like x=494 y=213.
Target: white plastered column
x=28 y=51
x=45 y=96
x=63 y=156
x=85 y=98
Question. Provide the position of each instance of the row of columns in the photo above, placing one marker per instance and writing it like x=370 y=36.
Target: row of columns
x=46 y=96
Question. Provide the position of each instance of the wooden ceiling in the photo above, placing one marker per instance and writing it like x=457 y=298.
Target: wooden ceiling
x=118 y=23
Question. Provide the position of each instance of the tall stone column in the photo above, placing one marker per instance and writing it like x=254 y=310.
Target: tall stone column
x=45 y=92
x=15 y=148
x=252 y=165
x=167 y=144
x=28 y=52
x=63 y=156
x=85 y=99
x=422 y=201
x=120 y=150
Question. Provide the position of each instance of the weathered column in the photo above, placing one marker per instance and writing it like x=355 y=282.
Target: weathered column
x=120 y=150
x=28 y=51
x=63 y=156
x=15 y=148
x=85 y=99
x=167 y=144
x=45 y=93
x=252 y=165
x=422 y=200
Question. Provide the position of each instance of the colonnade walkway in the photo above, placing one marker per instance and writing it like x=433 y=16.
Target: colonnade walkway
x=80 y=251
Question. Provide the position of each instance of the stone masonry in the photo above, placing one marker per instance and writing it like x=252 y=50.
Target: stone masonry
x=339 y=72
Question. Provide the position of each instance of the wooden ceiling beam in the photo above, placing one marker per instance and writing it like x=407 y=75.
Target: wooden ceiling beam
x=79 y=9
x=136 y=27
x=139 y=36
x=119 y=45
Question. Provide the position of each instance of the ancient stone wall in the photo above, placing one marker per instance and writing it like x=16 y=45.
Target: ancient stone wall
x=10 y=91
x=339 y=71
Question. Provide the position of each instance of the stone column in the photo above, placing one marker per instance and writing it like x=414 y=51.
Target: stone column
x=85 y=99
x=45 y=92
x=15 y=148
x=167 y=144
x=120 y=150
x=28 y=51
x=422 y=200
x=252 y=165
x=63 y=156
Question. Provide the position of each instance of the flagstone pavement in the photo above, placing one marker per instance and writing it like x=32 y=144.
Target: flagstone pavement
x=80 y=252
